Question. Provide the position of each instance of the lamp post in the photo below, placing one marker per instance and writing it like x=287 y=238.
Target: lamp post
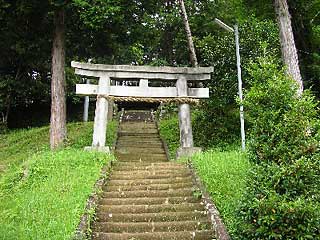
x=235 y=30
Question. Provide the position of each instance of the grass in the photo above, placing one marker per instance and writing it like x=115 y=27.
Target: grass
x=224 y=175
x=43 y=193
x=169 y=130
x=223 y=172
x=18 y=145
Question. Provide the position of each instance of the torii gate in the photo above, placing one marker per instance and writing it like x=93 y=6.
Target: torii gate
x=104 y=90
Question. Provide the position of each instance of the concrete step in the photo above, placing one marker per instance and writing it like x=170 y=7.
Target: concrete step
x=148 y=200
x=156 y=208
x=146 y=160
x=146 y=182
x=114 y=227
x=138 y=155
x=138 y=131
x=161 y=164
x=137 y=149
x=176 y=172
x=186 y=192
x=154 y=217
x=140 y=144
x=119 y=166
x=150 y=187
x=147 y=175
x=181 y=235
x=135 y=141
x=151 y=128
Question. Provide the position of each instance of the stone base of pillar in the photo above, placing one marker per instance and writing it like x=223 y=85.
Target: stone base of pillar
x=97 y=149
x=187 y=151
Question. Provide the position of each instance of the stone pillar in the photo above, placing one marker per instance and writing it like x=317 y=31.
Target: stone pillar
x=110 y=110
x=86 y=105
x=101 y=116
x=186 y=138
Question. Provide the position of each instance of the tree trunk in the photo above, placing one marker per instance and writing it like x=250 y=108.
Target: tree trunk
x=288 y=48
x=58 y=130
x=193 y=56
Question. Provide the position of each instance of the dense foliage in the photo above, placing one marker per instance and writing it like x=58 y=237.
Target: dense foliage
x=282 y=197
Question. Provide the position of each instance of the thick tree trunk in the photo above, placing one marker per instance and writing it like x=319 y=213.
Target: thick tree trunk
x=193 y=56
x=58 y=130
x=288 y=48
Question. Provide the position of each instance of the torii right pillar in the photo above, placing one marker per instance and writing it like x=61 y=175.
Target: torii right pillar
x=186 y=138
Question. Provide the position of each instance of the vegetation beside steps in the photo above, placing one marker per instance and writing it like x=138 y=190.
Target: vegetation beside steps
x=223 y=172
x=146 y=196
x=44 y=193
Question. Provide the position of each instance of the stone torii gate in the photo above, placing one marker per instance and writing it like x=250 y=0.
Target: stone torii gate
x=104 y=90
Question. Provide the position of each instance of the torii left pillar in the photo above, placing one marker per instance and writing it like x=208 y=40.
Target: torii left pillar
x=101 y=117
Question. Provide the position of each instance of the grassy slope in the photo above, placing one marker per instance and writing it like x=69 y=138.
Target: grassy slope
x=222 y=172
x=224 y=175
x=18 y=145
x=45 y=195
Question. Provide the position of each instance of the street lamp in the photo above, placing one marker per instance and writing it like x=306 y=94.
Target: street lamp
x=235 y=30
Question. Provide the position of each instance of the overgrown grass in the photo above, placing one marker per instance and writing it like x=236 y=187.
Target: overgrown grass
x=223 y=172
x=18 y=145
x=45 y=195
x=169 y=130
x=224 y=175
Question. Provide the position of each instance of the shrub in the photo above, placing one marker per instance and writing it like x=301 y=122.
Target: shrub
x=282 y=197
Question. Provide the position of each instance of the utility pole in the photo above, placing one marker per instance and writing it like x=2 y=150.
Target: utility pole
x=235 y=30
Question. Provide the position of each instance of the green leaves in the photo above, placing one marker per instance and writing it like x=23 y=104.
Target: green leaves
x=284 y=146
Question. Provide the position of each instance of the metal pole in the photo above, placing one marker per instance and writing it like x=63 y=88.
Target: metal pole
x=86 y=105
x=243 y=136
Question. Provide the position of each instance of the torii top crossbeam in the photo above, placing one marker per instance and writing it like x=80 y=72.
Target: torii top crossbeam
x=144 y=74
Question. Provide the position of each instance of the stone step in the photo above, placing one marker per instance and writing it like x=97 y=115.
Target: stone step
x=151 y=129
x=133 y=149
x=114 y=227
x=156 y=208
x=147 y=175
x=160 y=164
x=138 y=131
x=146 y=182
x=186 y=192
x=181 y=235
x=135 y=142
x=150 y=187
x=147 y=160
x=141 y=144
x=176 y=172
x=131 y=166
x=138 y=136
x=154 y=217
x=148 y=200
x=140 y=155
x=138 y=141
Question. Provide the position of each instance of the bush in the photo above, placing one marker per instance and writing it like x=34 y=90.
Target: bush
x=282 y=197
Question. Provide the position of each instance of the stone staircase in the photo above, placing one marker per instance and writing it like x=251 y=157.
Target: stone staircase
x=148 y=197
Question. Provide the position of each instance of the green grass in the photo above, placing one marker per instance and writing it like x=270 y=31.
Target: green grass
x=224 y=175
x=43 y=193
x=18 y=145
x=223 y=172
x=169 y=130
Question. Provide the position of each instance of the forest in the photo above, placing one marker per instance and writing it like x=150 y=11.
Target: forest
x=280 y=61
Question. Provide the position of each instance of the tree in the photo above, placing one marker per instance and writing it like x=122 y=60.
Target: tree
x=288 y=48
x=193 y=56
x=58 y=129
